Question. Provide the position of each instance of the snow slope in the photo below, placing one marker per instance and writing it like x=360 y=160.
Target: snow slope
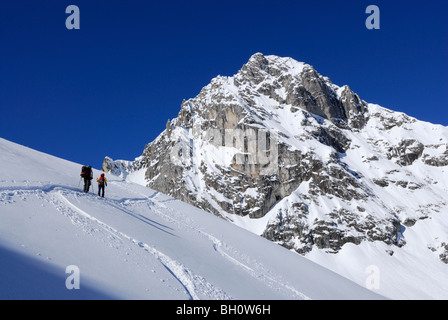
x=135 y=243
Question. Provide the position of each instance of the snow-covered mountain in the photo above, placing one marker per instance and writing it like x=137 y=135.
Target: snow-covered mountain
x=135 y=243
x=280 y=150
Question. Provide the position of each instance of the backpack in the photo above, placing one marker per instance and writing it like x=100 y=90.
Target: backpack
x=102 y=180
x=84 y=171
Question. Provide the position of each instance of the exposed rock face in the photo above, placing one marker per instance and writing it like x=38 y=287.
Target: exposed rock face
x=281 y=143
x=407 y=151
x=437 y=155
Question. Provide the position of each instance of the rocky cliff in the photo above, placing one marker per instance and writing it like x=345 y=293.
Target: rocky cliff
x=282 y=151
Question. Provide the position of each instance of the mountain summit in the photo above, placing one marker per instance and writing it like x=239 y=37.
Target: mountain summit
x=282 y=151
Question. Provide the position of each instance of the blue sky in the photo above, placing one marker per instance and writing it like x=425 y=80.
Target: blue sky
x=109 y=87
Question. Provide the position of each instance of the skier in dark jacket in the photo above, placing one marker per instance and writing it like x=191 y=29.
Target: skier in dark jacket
x=87 y=175
x=102 y=183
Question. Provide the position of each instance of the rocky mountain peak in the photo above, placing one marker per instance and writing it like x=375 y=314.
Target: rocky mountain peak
x=284 y=152
x=298 y=84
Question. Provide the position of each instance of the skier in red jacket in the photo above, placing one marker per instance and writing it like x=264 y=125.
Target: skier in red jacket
x=102 y=183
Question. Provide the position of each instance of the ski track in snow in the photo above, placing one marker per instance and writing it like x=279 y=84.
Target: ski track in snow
x=195 y=286
x=254 y=268
x=258 y=272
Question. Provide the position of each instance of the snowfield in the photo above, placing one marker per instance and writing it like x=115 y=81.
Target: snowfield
x=137 y=243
